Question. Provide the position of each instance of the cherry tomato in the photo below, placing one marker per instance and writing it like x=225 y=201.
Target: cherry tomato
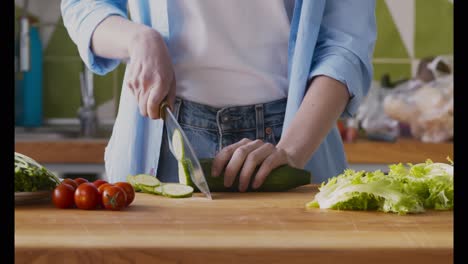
x=87 y=196
x=104 y=186
x=63 y=196
x=341 y=128
x=351 y=134
x=70 y=182
x=79 y=181
x=98 y=183
x=129 y=191
x=101 y=190
x=114 y=198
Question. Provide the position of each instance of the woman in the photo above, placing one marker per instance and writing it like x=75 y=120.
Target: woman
x=252 y=83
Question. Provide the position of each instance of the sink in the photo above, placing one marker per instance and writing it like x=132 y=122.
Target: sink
x=58 y=133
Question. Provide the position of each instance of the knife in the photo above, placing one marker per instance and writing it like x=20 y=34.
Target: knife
x=196 y=172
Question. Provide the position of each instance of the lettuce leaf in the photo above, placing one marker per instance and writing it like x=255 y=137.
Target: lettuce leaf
x=404 y=189
x=30 y=176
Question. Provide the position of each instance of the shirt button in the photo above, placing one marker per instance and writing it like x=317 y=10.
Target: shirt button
x=268 y=130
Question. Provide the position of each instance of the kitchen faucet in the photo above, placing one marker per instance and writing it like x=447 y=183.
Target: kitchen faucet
x=24 y=40
x=87 y=111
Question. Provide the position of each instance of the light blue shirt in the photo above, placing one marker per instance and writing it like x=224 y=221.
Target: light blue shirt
x=335 y=38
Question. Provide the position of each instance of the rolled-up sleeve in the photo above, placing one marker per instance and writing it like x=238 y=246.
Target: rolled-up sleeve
x=345 y=46
x=81 y=17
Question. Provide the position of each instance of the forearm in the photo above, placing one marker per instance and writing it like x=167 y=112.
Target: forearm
x=113 y=36
x=323 y=104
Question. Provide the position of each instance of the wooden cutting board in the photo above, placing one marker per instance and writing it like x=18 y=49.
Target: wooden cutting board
x=232 y=228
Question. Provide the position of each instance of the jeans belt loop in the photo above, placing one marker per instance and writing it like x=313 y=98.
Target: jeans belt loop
x=177 y=105
x=259 y=121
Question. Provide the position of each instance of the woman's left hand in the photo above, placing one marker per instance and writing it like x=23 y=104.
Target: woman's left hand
x=244 y=157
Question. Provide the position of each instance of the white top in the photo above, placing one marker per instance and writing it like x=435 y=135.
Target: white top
x=229 y=53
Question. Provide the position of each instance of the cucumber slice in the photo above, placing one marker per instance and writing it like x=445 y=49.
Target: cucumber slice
x=182 y=178
x=147 y=189
x=178 y=145
x=131 y=180
x=146 y=180
x=158 y=190
x=184 y=175
x=176 y=190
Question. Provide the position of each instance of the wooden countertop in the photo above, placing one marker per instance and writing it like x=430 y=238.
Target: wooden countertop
x=233 y=228
x=64 y=151
x=404 y=150
x=372 y=152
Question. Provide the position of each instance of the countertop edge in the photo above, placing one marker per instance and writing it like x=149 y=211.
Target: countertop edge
x=246 y=255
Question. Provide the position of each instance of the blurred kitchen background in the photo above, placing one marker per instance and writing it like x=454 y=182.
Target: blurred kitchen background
x=64 y=113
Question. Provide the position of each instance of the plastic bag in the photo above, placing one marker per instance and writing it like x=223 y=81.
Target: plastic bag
x=426 y=107
x=372 y=117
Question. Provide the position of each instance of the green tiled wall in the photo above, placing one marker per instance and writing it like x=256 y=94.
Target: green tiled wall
x=61 y=88
x=433 y=36
x=62 y=66
x=389 y=43
x=434 y=28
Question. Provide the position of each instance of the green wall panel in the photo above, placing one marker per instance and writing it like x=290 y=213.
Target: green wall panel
x=62 y=96
x=61 y=89
x=62 y=66
x=434 y=28
x=60 y=43
x=389 y=43
x=103 y=87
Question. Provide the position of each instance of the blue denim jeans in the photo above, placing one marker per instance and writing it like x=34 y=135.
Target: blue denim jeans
x=210 y=129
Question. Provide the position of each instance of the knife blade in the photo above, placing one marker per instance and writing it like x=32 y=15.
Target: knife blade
x=196 y=172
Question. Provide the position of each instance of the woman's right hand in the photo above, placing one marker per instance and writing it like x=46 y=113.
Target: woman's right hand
x=150 y=74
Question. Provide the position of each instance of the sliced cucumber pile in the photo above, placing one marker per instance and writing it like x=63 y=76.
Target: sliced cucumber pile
x=146 y=180
x=150 y=184
x=131 y=180
x=143 y=182
x=158 y=190
x=147 y=189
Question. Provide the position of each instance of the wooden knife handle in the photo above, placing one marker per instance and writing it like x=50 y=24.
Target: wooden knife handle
x=162 y=107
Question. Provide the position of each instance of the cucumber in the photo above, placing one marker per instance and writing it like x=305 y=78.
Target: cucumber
x=176 y=190
x=280 y=179
x=131 y=180
x=178 y=145
x=158 y=190
x=146 y=180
